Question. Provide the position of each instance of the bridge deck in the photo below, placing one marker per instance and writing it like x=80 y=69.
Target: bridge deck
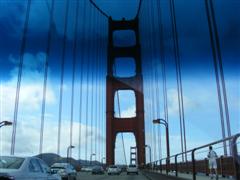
x=185 y=176
x=124 y=176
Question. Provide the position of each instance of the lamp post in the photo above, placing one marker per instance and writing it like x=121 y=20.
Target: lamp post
x=165 y=123
x=150 y=153
x=68 y=149
x=5 y=123
x=93 y=154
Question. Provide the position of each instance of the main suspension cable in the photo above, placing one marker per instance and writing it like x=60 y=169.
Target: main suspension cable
x=139 y=8
x=19 y=79
x=107 y=16
x=99 y=9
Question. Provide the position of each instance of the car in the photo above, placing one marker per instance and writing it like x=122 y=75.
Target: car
x=65 y=170
x=113 y=170
x=25 y=168
x=132 y=169
x=86 y=169
x=97 y=170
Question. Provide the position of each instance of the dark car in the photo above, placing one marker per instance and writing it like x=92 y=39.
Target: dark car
x=97 y=170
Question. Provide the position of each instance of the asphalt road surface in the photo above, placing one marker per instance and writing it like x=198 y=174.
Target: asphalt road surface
x=123 y=176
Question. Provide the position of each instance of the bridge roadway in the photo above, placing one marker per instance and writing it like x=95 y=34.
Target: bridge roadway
x=122 y=176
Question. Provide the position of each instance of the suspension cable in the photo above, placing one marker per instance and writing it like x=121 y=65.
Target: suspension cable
x=73 y=72
x=147 y=87
x=97 y=104
x=99 y=9
x=221 y=68
x=119 y=113
x=88 y=67
x=19 y=79
x=46 y=75
x=62 y=76
x=152 y=57
x=83 y=47
x=214 y=53
x=157 y=90
x=92 y=47
x=163 y=70
x=179 y=79
x=102 y=105
x=162 y=61
x=139 y=8
x=107 y=16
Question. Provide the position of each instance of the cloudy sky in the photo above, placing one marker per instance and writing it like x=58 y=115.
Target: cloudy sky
x=201 y=109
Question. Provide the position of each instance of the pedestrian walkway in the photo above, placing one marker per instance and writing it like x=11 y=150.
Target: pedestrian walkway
x=186 y=176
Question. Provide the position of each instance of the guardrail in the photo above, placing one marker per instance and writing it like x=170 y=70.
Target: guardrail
x=227 y=166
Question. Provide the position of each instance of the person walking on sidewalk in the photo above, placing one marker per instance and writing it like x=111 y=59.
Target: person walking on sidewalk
x=212 y=160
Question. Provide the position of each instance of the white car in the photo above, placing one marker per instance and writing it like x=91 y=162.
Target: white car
x=65 y=170
x=132 y=169
x=29 y=168
x=113 y=170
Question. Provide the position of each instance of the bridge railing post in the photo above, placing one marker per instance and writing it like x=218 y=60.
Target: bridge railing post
x=236 y=157
x=193 y=165
x=176 y=165
x=161 y=165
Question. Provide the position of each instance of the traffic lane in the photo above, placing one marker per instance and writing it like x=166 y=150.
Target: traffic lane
x=122 y=176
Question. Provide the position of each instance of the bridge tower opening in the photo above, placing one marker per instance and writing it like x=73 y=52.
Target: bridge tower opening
x=114 y=124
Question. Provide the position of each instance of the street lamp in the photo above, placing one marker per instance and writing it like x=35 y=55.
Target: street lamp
x=150 y=153
x=93 y=154
x=68 y=149
x=165 y=123
x=5 y=123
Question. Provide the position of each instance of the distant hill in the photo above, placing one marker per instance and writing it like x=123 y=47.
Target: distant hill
x=51 y=158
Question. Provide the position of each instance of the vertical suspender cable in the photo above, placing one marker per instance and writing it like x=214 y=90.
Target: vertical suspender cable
x=83 y=47
x=99 y=91
x=102 y=75
x=148 y=88
x=73 y=72
x=162 y=61
x=93 y=66
x=20 y=69
x=215 y=60
x=119 y=113
x=179 y=78
x=62 y=75
x=46 y=75
x=97 y=105
x=152 y=47
x=221 y=69
x=87 y=103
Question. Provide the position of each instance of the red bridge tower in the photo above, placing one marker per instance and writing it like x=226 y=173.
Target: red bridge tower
x=116 y=125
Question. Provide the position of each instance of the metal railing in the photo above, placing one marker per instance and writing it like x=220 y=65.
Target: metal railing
x=193 y=166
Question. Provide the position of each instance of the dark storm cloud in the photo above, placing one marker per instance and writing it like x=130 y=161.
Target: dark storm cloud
x=192 y=27
x=193 y=34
